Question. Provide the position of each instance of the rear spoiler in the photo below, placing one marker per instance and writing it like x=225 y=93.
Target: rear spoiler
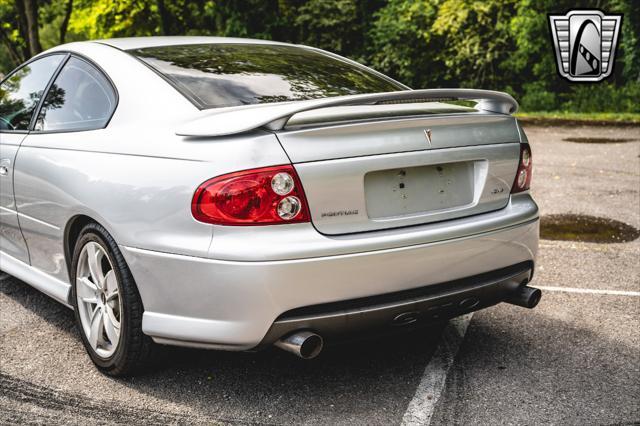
x=275 y=116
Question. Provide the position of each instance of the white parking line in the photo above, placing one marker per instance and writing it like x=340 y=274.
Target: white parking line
x=589 y=291
x=433 y=380
x=429 y=391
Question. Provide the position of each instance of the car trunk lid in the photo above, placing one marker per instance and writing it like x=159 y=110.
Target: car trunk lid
x=371 y=174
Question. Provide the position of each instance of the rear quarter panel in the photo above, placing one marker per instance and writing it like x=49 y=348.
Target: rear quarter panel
x=136 y=177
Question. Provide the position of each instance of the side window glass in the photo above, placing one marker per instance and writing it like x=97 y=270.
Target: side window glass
x=81 y=98
x=21 y=92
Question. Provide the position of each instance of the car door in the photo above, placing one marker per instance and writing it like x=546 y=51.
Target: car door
x=20 y=94
x=79 y=103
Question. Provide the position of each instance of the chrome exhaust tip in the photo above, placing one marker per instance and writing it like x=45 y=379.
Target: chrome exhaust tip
x=305 y=344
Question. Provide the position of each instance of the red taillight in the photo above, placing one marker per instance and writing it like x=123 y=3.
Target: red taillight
x=525 y=168
x=265 y=196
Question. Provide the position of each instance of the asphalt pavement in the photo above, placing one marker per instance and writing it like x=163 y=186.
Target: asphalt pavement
x=575 y=359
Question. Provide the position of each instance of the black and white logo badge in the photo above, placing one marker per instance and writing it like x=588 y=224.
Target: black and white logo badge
x=585 y=42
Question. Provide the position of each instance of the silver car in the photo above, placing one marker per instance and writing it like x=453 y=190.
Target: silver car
x=234 y=194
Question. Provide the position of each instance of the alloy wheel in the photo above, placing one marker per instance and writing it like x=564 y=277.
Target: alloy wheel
x=99 y=302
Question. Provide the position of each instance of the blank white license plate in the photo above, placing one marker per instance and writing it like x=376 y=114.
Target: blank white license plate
x=415 y=190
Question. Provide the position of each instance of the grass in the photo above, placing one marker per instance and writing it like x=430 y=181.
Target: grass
x=564 y=117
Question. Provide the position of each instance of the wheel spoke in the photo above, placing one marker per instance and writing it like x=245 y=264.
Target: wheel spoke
x=86 y=289
x=110 y=328
x=112 y=315
x=111 y=284
x=113 y=296
x=97 y=325
x=93 y=259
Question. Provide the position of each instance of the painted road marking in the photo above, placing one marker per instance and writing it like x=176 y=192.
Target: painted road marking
x=589 y=291
x=421 y=407
x=429 y=391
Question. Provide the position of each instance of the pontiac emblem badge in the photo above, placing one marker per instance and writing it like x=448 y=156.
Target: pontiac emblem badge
x=585 y=44
x=427 y=134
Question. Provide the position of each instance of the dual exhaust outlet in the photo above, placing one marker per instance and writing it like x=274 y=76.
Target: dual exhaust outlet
x=308 y=345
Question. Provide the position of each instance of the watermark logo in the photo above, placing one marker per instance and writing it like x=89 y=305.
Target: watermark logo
x=585 y=43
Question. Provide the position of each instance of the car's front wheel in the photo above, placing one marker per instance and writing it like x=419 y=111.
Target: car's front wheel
x=108 y=308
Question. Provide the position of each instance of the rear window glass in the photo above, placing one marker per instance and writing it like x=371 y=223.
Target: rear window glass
x=221 y=75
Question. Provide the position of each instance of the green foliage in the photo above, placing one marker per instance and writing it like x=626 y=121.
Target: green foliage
x=477 y=39
x=593 y=98
x=492 y=44
x=536 y=97
x=114 y=18
x=403 y=45
x=572 y=118
x=330 y=24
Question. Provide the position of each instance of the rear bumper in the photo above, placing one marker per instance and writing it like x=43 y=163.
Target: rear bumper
x=389 y=312
x=239 y=304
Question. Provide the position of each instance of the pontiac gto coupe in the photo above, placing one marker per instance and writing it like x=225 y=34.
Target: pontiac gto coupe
x=234 y=194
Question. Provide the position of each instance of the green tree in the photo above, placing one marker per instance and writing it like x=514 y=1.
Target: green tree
x=114 y=18
x=477 y=40
x=403 y=45
x=29 y=26
x=495 y=44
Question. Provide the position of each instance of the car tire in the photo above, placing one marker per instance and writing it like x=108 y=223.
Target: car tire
x=133 y=350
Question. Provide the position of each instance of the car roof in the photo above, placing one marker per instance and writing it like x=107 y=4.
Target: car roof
x=127 y=43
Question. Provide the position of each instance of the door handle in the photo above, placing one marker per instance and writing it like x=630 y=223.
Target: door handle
x=4 y=167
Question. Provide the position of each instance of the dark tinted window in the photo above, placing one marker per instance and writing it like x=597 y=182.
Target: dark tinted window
x=21 y=92
x=218 y=75
x=80 y=98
